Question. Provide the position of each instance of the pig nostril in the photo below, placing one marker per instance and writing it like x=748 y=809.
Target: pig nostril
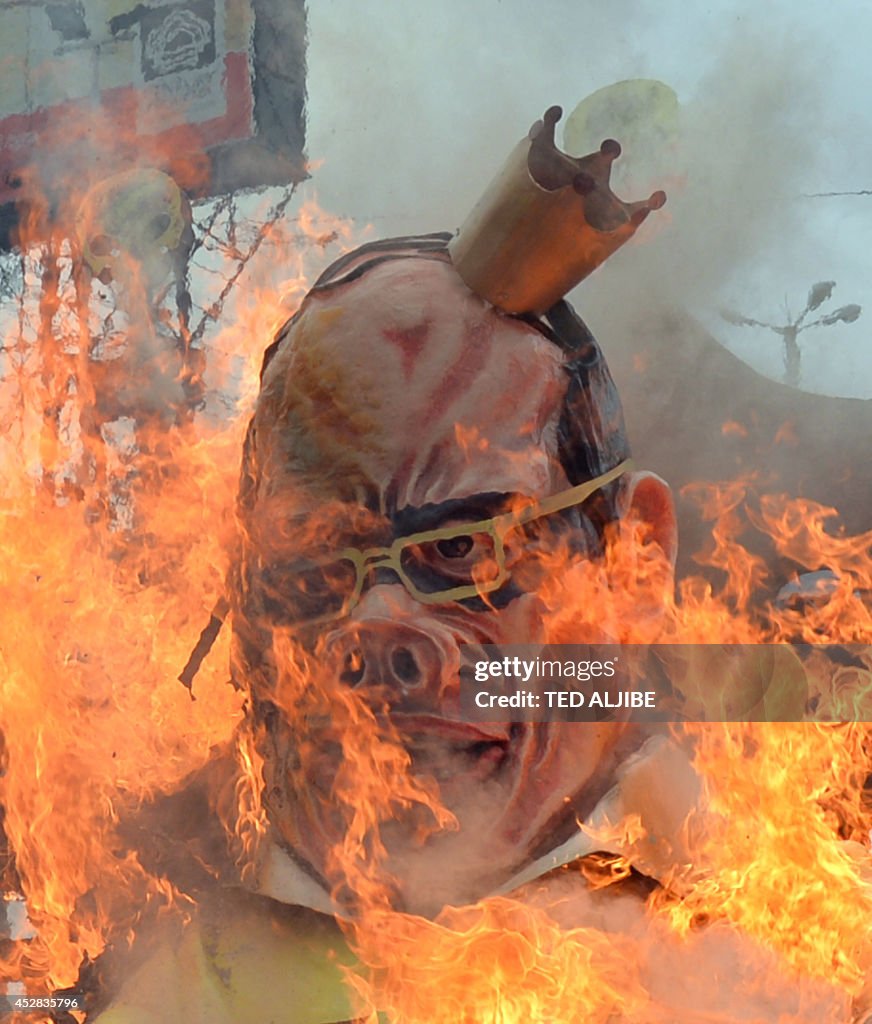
x=353 y=668
x=404 y=666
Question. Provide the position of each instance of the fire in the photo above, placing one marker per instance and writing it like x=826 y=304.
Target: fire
x=96 y=627
x=116 y=531
x=780 y=837
x=116 y=534
x=497 y=962
x=796 y=886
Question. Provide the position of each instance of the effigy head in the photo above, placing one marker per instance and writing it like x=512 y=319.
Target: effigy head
x=396 y=409
x=133 y=224
x=427 y=389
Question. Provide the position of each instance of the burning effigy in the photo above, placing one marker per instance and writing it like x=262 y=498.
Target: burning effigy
x=436 y=460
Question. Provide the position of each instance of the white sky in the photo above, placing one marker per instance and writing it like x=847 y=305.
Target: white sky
x=413 y=106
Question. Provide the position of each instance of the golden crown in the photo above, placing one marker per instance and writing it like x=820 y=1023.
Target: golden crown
x=545 y=222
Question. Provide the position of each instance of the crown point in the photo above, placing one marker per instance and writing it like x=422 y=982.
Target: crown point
x=546 y=222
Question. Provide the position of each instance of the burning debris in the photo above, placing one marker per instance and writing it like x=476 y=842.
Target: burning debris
x=437 y=456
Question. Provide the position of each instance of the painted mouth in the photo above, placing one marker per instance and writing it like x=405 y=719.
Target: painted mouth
x=449 y=749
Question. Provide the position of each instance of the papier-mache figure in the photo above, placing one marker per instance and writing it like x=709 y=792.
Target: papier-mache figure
x=134 y=235
x=426 y=389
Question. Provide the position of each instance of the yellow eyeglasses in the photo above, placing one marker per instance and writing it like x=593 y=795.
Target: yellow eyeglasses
x=450 y=563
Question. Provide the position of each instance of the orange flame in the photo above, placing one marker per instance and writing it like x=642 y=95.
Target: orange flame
x=116 y=531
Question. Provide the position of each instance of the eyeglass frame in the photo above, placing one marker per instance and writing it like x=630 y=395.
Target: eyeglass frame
x=497 y=527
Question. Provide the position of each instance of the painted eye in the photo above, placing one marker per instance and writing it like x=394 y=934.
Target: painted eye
x=157 y=226
x=455 y=547
x=463 y=560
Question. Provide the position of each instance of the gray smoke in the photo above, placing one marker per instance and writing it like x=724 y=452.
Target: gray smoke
x=413 y=108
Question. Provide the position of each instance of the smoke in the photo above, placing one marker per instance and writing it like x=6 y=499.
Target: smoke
x=412 y=109
x=743 y=157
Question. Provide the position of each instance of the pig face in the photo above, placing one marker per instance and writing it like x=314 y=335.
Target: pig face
x=398 y=416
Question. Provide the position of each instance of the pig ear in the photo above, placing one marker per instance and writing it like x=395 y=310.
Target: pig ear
x=648 y=499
